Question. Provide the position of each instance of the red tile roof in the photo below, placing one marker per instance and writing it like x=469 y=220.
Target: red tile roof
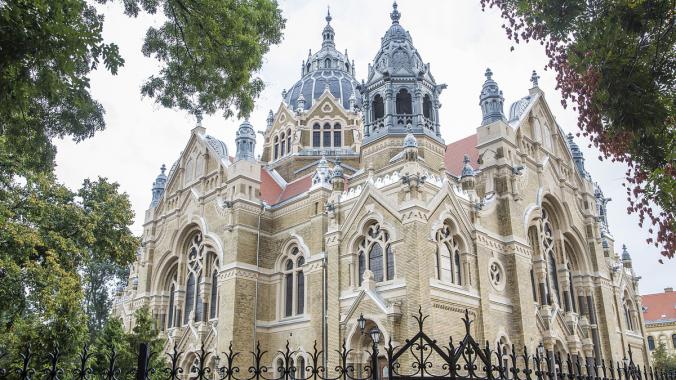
x=272 y=193
x=659 y=307
x=270 y=189
x=456 y=151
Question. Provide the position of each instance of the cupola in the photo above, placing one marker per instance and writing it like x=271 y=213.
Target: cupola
x=491 y=100
x=158 y=186
x=245 y=141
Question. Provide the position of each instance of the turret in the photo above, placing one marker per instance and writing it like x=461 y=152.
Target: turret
x=338 y=178
x=578 y=157
x=467 y=178
x=491 y=100
x=158 y=186
x=245 y=142
x=626 y=257
x=328 y=34
x=269 y=120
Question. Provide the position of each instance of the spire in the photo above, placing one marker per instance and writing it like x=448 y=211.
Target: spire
x=328 y=34
x=625 y=253
x=534 y=78
x=578 y=157
x=395 y=15
x=245 y=141
x=158 y=186
x=491 y=100
x=270 y=120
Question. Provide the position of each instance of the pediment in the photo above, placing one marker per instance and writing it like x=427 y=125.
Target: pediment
x=326 y=104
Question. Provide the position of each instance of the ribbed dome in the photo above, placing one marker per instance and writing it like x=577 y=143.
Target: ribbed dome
x=327 y=67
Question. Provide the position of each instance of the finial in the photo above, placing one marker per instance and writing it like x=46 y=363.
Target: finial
x=163 y=168
x=534 y=78
x=465 y=160
x=395 y=15
x=488 y=74
x=328 y=15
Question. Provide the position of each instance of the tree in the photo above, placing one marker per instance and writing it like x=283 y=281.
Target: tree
x=616 y=63
x=48 y=234
x=210 y=51
x=662 y=361
x=126 y=344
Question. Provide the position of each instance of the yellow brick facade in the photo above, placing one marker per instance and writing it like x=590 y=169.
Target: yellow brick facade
x=520 y=244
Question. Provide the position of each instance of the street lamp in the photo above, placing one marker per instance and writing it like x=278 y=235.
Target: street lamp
x=374 y=333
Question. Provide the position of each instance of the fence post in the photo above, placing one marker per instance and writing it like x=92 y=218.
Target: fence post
x=142 y=367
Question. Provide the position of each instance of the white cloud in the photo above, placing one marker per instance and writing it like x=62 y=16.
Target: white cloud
x=456 y=37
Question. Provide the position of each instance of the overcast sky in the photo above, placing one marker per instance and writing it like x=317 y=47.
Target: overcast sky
x=456 y=37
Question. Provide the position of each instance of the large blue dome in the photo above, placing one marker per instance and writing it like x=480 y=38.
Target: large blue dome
x=327 y=67
x=341 y=84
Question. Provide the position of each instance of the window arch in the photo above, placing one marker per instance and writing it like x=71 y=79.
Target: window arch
x=276 y=148
x=327 y=63
x=448 y=256
x=629 y=314
x=326 y=135
x=316 y=136
x=378 y=107
x=427 y=106
x=282 y=151
x=293 y=283
x=404 y=102
x=337 y=135
x=651 y=342
x=193 y=299
x=375 y=254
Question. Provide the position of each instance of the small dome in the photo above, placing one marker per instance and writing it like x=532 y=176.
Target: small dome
x=625 y=253
x=218 y=146
x=517 y=108
x=246 y=130
x=338 y=170
x=467 y=170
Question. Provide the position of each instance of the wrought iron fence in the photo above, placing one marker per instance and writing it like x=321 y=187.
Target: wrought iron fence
x=419 y=357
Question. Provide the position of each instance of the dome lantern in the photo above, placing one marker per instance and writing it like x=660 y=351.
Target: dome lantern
x=491 y=100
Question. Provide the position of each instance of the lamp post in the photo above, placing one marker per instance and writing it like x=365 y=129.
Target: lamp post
x=374 y=333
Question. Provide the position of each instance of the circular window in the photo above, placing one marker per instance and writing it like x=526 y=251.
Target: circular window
x=496 y=274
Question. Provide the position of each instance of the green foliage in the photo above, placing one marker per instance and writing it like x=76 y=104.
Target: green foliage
x=616 y=63
x=48 y=234
x=47 y=50
x=210 y=51
x=126 y=344
x=662 y=360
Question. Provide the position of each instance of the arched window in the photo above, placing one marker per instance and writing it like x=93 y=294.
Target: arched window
x=193 y=299
x=283 y=149
x=326 y=140
x=294 y=283
x=548 y=246
x=628 y=315
x=170 y=311
x=375 y=250
x=337 y=136
x=448 y=256
x=378 y=107
x=276 y=148
x=327 y=63
x=427 y=106
x=288 y=141
x=404 y=102
x=571 y=287
x=213 y=301
x=316 y=136
x=301 y=367
x=651 y=343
